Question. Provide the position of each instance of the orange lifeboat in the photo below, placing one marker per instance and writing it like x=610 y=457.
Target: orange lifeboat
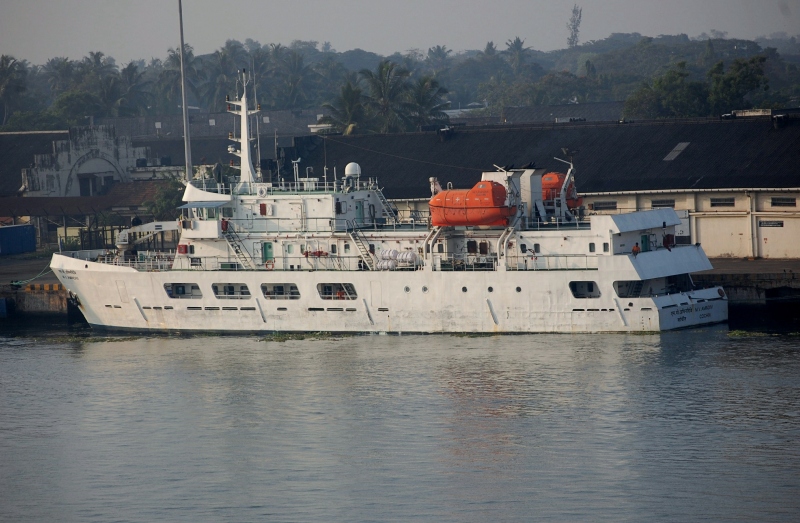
x=551 y=188
x=484 y=204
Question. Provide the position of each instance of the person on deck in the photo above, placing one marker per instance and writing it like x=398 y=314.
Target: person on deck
x=636 y=249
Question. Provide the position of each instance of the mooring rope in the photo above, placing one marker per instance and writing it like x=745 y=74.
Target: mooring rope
x=41 y=273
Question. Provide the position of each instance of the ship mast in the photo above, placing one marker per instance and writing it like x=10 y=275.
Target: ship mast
x=187 y=146
x=247 y=174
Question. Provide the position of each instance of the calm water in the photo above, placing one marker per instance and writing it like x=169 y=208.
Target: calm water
x=687 y=426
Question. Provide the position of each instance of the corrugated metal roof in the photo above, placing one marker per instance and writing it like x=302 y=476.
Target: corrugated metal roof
x=609 y=158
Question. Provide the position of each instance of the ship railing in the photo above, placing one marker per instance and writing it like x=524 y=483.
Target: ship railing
x=464 y=262
x=269 y=224
x=315 y=261
x=145 y=261
x=532 y=224
x=551 y=262
x=281 y=187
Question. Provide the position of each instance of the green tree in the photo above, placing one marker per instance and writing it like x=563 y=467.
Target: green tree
x=167 y=199
x=517 y=54
x=347 y=113
x=74 y=107
x=426 y=102
x=671 y=95
x=729 y=90
x=574 y=26
x=60 y=73
x=388 y=89
x=13 y=75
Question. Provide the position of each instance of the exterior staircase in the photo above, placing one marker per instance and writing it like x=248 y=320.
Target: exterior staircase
x=361 y=244
x=245 y=260
x=389 y=211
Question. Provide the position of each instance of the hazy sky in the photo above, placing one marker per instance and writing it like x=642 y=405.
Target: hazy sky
x=37 y=30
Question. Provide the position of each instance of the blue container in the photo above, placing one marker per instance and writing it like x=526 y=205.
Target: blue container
x=15 y=239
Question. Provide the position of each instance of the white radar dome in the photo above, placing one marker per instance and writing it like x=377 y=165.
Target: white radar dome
x=352 y=169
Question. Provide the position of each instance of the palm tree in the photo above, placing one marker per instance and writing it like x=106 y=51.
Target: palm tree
x=169 y=78
x=222 y=73
x=296 y=79
x=135 y=94
x=426 y=103
x=517 y=54
x=388 y=88
x=348 y=115
x=438 y=59
x=60 y=73
x=13 y=74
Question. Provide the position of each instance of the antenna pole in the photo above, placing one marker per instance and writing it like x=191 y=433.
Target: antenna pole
x=187 y=146
x=258 y=117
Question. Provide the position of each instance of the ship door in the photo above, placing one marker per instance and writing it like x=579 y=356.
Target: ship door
x=375 y=293
x=645 y=243
x=359 y=212
x=266 y=252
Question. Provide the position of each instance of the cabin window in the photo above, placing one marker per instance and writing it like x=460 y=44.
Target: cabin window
x=227 y=212
x=605 y=206
x=231 y=291
x=183 y=290
x=191 y=249
x=723 y=202
x=784 y=202
x=289 y=249
x=656 y=204
x=333 y=248
x=339 y=207
x=584 y=289
x=606 y=247
x=280 y=291
x=483 y=248
x=591 y=247
x=536 y=248
x=346 y=248
x=439 y=248
x=472 y=247
x=211 y=213
x=337 y=291
x=523 y=248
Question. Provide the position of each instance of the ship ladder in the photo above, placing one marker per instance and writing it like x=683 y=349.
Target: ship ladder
x=388 y=209
x=233 y=240
x=361 y=243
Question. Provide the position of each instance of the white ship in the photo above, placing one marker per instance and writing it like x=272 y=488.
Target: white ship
x=510 y=255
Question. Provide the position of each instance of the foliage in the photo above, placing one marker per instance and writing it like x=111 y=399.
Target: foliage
x=663 y=76
x=573 y=26
x=165 y=204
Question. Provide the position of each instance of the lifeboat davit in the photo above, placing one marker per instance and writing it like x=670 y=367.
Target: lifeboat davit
x=484 y=204
x=551 y=189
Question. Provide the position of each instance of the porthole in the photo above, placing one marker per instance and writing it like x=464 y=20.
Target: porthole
x=407 y=289
x=490 y=289
x=519 y=289
x=463 y=289
x=424 y=289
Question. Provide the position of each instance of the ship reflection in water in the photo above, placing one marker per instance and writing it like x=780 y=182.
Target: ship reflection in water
x=678 y=426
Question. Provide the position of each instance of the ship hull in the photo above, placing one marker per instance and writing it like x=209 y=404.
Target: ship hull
x=415 y=301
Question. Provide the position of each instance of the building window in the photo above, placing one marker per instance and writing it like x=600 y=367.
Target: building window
x=655 y=204
x=605 y=206
x=723 y=202
x=784 y=202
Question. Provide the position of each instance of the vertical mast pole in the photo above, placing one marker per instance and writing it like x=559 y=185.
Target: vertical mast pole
x=187 y=146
